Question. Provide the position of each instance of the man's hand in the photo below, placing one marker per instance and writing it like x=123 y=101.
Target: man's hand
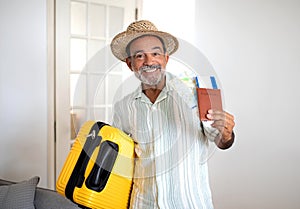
x=224 y=122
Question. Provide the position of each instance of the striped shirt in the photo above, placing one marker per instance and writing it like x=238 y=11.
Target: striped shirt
x=171 y=148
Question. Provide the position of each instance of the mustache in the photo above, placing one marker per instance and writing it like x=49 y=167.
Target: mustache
x=149 y=67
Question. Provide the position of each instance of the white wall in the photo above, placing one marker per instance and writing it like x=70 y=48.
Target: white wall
x=171 y=16
x=255 y=49
x=254 y=46
x=23 y=90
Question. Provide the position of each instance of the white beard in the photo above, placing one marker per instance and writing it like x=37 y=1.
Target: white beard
x=151 y=80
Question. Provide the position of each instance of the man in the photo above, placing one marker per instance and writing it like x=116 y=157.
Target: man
x=170 y=140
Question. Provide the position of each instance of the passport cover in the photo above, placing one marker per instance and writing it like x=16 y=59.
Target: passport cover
x=208 y=99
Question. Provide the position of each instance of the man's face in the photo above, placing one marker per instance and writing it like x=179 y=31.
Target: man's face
x=148 y=60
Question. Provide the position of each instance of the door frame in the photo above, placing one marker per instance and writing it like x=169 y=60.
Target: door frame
x=51 y=94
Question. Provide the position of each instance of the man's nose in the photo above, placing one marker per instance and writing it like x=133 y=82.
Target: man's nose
x=148 y=59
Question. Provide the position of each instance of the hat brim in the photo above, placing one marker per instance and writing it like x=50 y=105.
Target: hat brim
x=120 y=42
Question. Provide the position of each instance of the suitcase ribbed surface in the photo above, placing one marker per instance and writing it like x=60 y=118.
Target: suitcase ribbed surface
x=116 y=191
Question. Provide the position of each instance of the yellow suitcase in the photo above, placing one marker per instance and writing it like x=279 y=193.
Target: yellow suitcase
x=99 y=168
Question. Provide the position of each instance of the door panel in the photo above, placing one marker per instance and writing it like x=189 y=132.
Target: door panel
x=84 y=80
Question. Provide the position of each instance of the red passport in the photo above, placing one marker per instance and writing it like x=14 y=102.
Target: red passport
x=208 y=99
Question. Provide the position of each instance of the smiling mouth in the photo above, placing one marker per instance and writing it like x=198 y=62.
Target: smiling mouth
x=150 y=69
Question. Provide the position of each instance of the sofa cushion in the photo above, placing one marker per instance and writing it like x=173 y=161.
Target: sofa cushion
x=46 y=199
x=19 y=195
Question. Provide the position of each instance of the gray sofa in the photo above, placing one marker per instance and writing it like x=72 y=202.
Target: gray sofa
x=26 y=195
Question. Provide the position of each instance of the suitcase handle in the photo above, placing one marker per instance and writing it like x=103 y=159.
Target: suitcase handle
x=101 y=170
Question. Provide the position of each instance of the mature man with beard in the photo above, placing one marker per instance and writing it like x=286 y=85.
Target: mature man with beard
x=170 y=140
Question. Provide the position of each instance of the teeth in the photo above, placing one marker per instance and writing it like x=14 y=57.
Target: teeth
x=151 y=70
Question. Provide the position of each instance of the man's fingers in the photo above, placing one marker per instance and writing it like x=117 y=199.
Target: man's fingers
x=219 y=115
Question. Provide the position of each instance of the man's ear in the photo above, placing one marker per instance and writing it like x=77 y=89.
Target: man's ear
x=167 y=57
x=128 y=62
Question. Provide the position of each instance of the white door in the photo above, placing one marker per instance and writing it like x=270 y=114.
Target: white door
x=86 y=72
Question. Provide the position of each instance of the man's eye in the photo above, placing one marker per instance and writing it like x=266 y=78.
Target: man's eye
x=156 y=53
x=139 y=56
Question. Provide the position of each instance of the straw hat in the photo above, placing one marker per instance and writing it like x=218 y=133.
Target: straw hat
x=137 y=29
